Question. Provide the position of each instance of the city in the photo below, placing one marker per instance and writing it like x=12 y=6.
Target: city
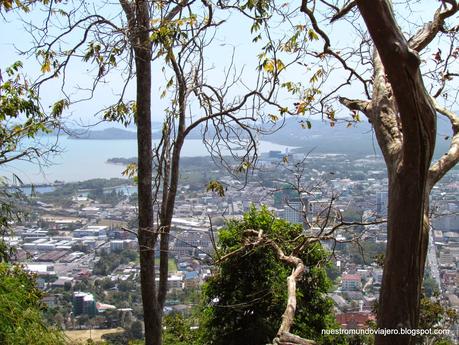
x=82 y=244
x=229 y=172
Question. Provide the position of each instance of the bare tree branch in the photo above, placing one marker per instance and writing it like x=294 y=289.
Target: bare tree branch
x=430 y=30
x=451 y=158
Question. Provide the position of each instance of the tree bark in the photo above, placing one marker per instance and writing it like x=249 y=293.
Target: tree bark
x=152 y=312
x=138 y=15
x=408 y=171
x=171 y=180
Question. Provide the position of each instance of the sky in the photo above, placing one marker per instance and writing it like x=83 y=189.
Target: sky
x=233 y=34
x=15 y=38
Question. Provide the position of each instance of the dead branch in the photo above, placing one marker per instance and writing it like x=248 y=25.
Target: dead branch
x=253 y=239
x=343 y=11
x=430 y=30
x=451 y=158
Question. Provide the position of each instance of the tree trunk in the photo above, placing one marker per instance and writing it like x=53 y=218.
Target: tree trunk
x=147 y=237
x=403 y=117
x=166 y=218
x=170 y=187
x=152 y=316
x=408 y=171
x=405 y=258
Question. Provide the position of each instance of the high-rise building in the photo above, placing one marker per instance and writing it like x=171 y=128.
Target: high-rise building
x=381 y=203
x=84 y=304
x=293 y=212
x=296 y=210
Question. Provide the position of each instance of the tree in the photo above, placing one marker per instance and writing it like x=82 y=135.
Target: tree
x=178 y=330
x=402 y=90
x=408 y=169
x=245 y=297
x=433 y=315
x=21 y=320
x=136 y=330
x=176 y=34
x=21 y=119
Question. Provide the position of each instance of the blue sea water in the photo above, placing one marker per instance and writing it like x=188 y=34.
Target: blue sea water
x=86 y=159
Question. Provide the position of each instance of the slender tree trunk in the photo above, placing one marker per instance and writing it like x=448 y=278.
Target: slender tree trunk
x=167 y=214
x=172 y=177
x=152 y=316
x=142 y=48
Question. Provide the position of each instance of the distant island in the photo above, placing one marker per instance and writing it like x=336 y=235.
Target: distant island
x=321 y=137
x=122 y=161
x=104 y=134
x=197 y=162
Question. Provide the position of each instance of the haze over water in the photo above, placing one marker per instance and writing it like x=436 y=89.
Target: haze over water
x=87 y=159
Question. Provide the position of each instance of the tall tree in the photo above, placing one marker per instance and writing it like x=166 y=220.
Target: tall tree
x=403 y=115
x=175 y=35
x=408 y=169
x=404 y=74
x=138 y=16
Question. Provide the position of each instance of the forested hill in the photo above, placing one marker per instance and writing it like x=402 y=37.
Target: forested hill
x=356 y=138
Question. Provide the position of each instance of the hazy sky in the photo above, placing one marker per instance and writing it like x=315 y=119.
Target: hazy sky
x=234 y=34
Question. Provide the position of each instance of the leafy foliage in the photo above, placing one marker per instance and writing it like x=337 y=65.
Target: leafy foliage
x=217 y=187
x=10 y=210
x=121 y=112
x=110 y=261
x=178 y=330
x=20 y=310
x=21 y=117
x=433 y=315
x=430 y=286
x=246 y=296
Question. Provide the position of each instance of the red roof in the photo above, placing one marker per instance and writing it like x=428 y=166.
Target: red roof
x=355 y=319
x=351 y=277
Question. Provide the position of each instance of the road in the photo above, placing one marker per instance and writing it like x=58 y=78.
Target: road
x=432 y=260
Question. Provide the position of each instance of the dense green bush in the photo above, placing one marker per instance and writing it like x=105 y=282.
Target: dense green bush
x=21 y=321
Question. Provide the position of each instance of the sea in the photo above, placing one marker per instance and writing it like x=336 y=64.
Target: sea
x=80 y=160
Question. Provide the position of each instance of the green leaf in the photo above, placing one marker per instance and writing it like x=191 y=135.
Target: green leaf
x=59 y=107
x=312 y=35
x=216 y=186
x=46 y=66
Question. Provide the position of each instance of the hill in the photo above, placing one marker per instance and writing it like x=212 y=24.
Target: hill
x=104 y=134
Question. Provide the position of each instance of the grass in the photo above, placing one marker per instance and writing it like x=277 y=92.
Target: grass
x=80 y=336
x=111 y=222
x=172 y=265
